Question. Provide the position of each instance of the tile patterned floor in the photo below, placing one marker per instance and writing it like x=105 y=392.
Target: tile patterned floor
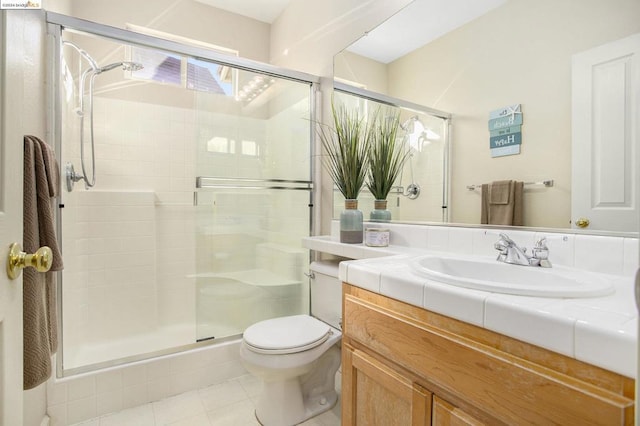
x=230 y=403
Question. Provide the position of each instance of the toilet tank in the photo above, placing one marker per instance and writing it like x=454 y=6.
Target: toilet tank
x=326 y=292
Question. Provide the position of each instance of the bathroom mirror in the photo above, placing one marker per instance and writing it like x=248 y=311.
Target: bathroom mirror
x=423 y=136
x=516 y=52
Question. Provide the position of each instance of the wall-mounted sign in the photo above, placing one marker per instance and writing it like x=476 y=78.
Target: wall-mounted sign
x=505 y=130
x=507 y=150
x=509 y=110
x=504 y=140
x=502 y=122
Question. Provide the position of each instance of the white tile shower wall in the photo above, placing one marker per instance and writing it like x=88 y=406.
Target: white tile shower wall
x=83 y=397
x=231 y=161
x=287 y=217
x=151 y=147
x=229 y=227
x=286 y=263
x=426 y=170
x=604 y=254
x=291 y=123
x=175 y=254
x=145 y=148
x=282 y=260
x=108 y=269
x=161 y=139
x=141 y=147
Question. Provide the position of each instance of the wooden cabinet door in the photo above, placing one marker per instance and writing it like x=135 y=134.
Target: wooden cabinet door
x=375 y=394
x=445 y=414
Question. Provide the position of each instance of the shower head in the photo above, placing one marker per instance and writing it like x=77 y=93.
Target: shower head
x=409 y=124
x=132 y=66
x=126 y=66
x=417 y=134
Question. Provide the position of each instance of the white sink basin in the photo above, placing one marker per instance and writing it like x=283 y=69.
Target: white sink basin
x=498 y=277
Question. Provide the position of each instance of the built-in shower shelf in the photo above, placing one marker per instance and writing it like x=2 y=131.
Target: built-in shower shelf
x=255 y=277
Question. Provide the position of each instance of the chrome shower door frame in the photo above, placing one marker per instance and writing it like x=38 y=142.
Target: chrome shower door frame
x=56 y=23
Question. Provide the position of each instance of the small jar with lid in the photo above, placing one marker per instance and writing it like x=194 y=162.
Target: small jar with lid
x=376 y=237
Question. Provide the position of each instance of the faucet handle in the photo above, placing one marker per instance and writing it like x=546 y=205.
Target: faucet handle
x=501 y=245
x=541 y=244
x=505 y=238
x=541 y=252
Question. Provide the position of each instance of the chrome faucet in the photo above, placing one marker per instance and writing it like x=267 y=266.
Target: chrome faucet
x=511 y=253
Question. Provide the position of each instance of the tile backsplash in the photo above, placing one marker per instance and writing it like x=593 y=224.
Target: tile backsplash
x=596 y=253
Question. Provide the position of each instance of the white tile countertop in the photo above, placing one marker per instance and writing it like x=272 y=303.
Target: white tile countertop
x=598 y=330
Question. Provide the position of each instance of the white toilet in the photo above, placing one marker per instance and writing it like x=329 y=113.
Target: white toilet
x=297 y=357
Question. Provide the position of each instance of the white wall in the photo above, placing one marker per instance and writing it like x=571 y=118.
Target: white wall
x=307 y=35
x=58 y=6
x=358 y=69
x=517 y=53
x=185 y=18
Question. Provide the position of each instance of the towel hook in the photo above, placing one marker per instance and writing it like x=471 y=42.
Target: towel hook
x=17 y=260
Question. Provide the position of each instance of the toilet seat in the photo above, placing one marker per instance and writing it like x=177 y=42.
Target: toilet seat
x=286 y=335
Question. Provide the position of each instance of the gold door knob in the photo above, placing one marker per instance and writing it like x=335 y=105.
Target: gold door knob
x=41 y=260
x=583 y=222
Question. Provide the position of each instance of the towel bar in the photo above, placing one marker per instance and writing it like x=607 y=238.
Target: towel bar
x=548 y=183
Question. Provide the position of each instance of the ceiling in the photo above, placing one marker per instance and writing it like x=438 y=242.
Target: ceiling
x=419 y=23
x=262 y=10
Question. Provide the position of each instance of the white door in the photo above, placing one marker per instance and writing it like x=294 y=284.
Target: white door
x=17 y=82
x=605 y=131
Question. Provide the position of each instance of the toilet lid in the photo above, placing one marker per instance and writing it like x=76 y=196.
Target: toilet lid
x=291 y=334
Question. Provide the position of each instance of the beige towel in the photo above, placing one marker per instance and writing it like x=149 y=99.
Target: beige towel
x=500 y=192
x=41 y=183
x=502 y=203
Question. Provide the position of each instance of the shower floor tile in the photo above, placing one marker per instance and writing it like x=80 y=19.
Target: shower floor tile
x=229 y=403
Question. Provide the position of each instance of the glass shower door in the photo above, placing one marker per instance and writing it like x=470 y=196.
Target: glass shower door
x=253 y=196
x=193 y=229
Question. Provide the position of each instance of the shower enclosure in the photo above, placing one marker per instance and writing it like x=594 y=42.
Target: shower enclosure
x=202 y=194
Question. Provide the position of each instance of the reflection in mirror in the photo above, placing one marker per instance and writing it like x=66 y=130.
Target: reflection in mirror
x=421 y=190
x=519 y=52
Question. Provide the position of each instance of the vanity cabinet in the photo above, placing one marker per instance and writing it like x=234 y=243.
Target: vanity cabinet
x=403 y=365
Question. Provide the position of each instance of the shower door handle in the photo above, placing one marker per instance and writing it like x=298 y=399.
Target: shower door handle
x=17 y=260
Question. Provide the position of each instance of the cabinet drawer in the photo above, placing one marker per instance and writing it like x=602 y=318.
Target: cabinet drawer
x=506 y=387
